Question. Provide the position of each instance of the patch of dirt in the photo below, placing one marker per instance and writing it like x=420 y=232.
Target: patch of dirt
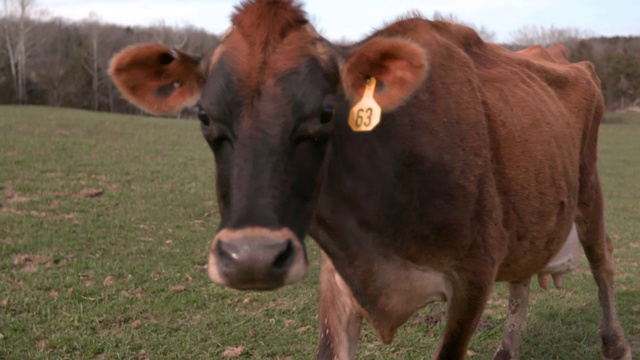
x=18 y=283
x=151 y=318
x=13 y=197
x=178 y=288
x=6 y=241
x=304 y=328
x=69 y=217
x=88 y=193
x=470 y=353
x=142 y=355
x=12 y=211
x=148 y=227
x=137 y=293
x=233 y=352
x=198 y=224
x=31 y=262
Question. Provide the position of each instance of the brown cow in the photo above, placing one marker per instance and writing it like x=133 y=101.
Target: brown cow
x=481 y=162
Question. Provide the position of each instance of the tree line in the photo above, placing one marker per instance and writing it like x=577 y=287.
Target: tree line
x=55 y=62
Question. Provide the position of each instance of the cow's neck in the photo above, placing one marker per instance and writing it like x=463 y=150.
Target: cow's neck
x=380 y=268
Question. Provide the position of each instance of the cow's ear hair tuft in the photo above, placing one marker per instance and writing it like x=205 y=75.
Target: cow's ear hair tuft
x=156 y=79
x=399 y=66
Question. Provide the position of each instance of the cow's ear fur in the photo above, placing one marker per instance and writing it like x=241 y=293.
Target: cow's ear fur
x=158 y=80
x=398 y=65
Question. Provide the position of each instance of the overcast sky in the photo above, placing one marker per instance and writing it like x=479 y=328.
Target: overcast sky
x=351 y=19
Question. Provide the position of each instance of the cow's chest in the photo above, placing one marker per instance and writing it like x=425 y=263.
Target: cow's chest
x=396 y=289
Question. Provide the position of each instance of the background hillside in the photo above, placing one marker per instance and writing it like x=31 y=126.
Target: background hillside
x=60 y=63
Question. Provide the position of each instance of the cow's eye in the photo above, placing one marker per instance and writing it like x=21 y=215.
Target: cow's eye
x=202 y=115
x=327 y=114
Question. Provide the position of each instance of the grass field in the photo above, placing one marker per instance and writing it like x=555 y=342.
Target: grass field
x=104 y=227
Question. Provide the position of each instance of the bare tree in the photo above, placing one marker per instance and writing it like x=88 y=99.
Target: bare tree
x=18 y=24
x=55 y=69
x=170 y=36
x=539 y=35
x=91 y=56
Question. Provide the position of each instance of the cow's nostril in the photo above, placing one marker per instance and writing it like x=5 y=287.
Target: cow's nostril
x=284 y=258
x=224 y=254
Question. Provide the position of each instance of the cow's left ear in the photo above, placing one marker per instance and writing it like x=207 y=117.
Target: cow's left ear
x=158 y=80
x=398 y=65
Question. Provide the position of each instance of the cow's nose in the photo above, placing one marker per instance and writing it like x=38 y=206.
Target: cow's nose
x=255 y=256
x=259 y=259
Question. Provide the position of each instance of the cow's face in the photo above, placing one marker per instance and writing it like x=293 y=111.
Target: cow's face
x=267 y=100
x=268 y=120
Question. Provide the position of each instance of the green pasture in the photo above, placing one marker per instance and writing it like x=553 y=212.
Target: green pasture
x=104 y=226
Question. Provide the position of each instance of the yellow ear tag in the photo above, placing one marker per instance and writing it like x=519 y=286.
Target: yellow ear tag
x=365 y=115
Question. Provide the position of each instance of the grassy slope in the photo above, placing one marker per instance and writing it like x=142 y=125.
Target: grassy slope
x=120 y=275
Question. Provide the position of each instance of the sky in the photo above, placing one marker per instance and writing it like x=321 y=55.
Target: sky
x=352 y=20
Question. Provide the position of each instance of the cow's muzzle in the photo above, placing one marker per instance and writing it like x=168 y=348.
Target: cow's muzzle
x=257 y=258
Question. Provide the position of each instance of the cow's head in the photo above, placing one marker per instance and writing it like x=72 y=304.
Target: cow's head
x=267 y=100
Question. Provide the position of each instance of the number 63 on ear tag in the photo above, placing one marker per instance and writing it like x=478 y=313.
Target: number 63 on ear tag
x=365 y=115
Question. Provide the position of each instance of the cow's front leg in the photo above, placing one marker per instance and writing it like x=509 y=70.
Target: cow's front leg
x=470 y=294
x=338 y=316
x=518 y=303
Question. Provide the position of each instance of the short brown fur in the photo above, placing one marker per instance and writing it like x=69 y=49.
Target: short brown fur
x=260 y=27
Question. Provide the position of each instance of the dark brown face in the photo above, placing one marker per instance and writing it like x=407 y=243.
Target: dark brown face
x=269 y=144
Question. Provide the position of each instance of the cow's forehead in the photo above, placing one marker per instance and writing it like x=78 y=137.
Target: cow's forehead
x=256 y=67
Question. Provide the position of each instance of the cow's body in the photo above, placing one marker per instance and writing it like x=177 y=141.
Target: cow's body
x=454 y=185
x=482 y=162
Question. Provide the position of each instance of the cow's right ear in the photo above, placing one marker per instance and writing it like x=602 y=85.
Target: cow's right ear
x=158 y=80
x=399 y=66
